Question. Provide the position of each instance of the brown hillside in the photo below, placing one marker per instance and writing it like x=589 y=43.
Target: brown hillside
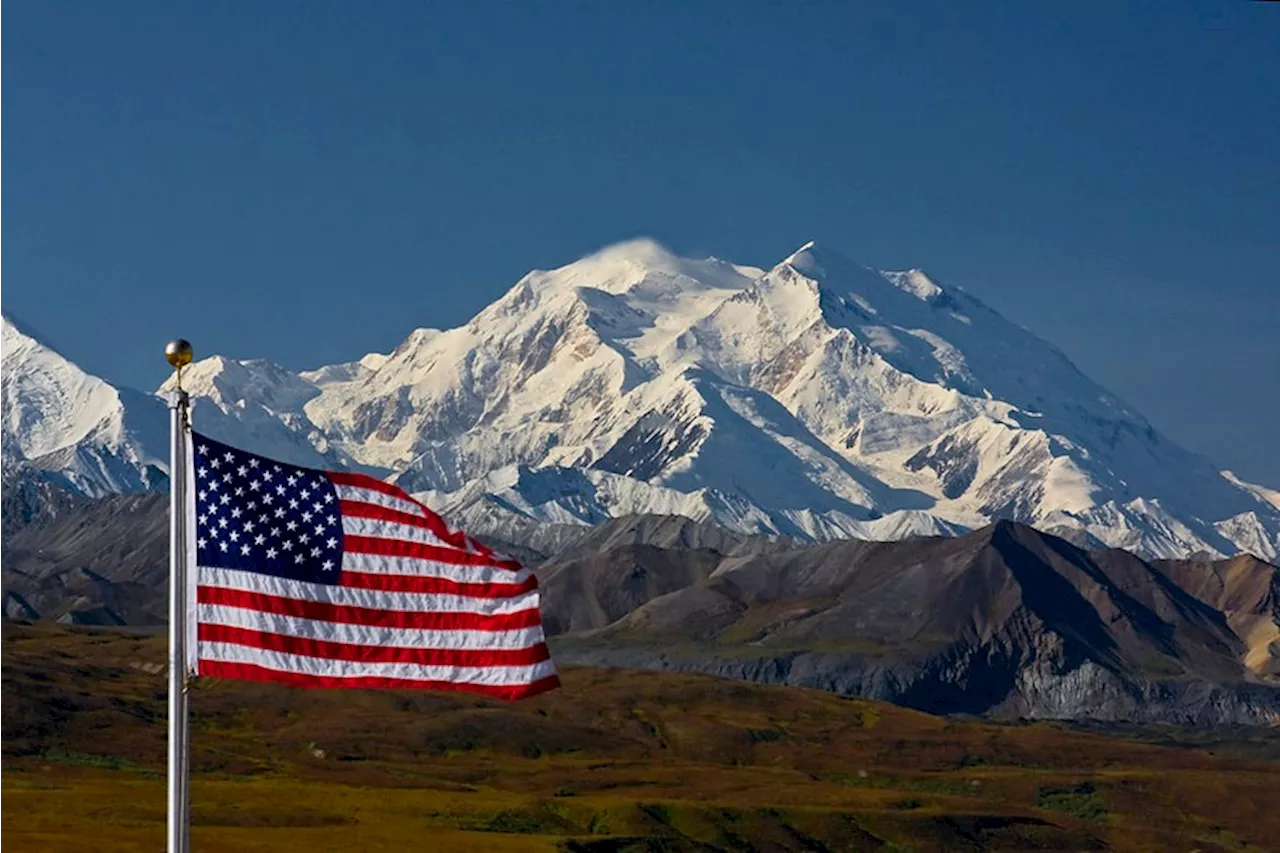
x=613 y=761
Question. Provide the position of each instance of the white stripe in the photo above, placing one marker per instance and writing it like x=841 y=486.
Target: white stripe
x=354 y=525
x=382 y=499
x=368 y=635
x=376 y=564
x=492 y=676
x=413 y=602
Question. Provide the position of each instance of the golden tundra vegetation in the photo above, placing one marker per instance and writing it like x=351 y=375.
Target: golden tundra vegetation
x=613 y=761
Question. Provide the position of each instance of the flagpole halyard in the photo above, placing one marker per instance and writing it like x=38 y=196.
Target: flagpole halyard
x=178 y=354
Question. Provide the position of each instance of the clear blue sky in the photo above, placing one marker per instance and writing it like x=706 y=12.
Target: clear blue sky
x=309 y=181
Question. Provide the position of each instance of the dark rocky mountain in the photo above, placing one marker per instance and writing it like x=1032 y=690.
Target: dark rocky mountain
x=1004 y=621
x=84 y=561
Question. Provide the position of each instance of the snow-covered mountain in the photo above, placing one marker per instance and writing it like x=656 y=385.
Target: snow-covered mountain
x=816 y=399
x=61 y=420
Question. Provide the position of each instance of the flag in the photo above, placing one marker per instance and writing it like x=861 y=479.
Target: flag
x=329 y=579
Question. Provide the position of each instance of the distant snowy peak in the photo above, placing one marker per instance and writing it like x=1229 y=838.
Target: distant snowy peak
x=254 y=403
x=229 y=383
x=814 y=398
x=817 y=398
x=60 y=419
x=1262 y=493
x=351 y=371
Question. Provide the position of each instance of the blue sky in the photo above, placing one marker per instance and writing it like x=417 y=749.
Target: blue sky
x=307 y=182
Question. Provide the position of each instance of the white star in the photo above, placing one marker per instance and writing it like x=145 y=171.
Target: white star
x=203 y=449
x=244 y=549
x=293 y=478
x=271 y=553
x=201 y=542
x=306 y=516
x=203 y=519
x=320 y=531
x=259 y=539
x=305 y=538
x=248 y=526
x=293 y=504
x=300 y=558
x=277 y=468
x=226 y=478
x=317 y=506
x=242 y=470
x=279 y=512
x=328 y=498
x=235 y=512
x=251 y=505
x=288 y=546
x=239 y=491
x=328 y=565
x=213 y=485
x=333 y=520
x=222 y=545
x=226 y=499
x=213 y=508
x=275 y=531
x=331 y=542
x=214 y=463
x=214 y=532
x=315 y=552
x=255 y=485
x=202 y=471
x=229 y=456
x=202 y=494
x=233 y=536
x=305 y=493
x=292 y=525
x=253 y=463
x=279 y=490
x=266 y=475
x=222 y=522
x=268 y=498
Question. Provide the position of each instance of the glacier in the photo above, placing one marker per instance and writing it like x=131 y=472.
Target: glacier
x=817 y=399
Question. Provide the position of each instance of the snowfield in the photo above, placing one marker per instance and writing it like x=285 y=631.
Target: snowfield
x=818 y=399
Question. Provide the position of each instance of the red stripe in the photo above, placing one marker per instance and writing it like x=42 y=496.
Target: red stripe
x=417 y=583
x=360 y=509
x=353 y=544
x=364 y=481
x=372 y=654
x=434 y=522
x=363 y=509
x=324 y=611
x=253 y=672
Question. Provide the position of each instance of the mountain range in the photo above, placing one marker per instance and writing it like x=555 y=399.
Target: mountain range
x=817 y=400
x=1003 y=621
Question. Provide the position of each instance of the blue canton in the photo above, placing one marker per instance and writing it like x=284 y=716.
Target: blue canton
x=259 y=515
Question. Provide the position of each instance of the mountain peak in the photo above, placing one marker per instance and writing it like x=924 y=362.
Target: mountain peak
x=644 y=251
x=13 y=326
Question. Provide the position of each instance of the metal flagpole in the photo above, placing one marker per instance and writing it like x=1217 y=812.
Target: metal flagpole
x=178 y=354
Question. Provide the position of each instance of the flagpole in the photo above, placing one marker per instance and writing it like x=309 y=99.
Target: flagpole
x=178 y=354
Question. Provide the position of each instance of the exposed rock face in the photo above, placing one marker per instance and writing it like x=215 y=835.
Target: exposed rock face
x=1005 y=621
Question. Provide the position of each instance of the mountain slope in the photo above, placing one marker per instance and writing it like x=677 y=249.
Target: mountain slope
x=814 y=399
x=1003 y=621
x=57 y=418
x=818 y=399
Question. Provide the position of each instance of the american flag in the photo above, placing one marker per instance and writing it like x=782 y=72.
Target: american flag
x=328 y=579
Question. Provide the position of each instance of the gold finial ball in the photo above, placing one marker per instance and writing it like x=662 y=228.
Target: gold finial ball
x=178 y=352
